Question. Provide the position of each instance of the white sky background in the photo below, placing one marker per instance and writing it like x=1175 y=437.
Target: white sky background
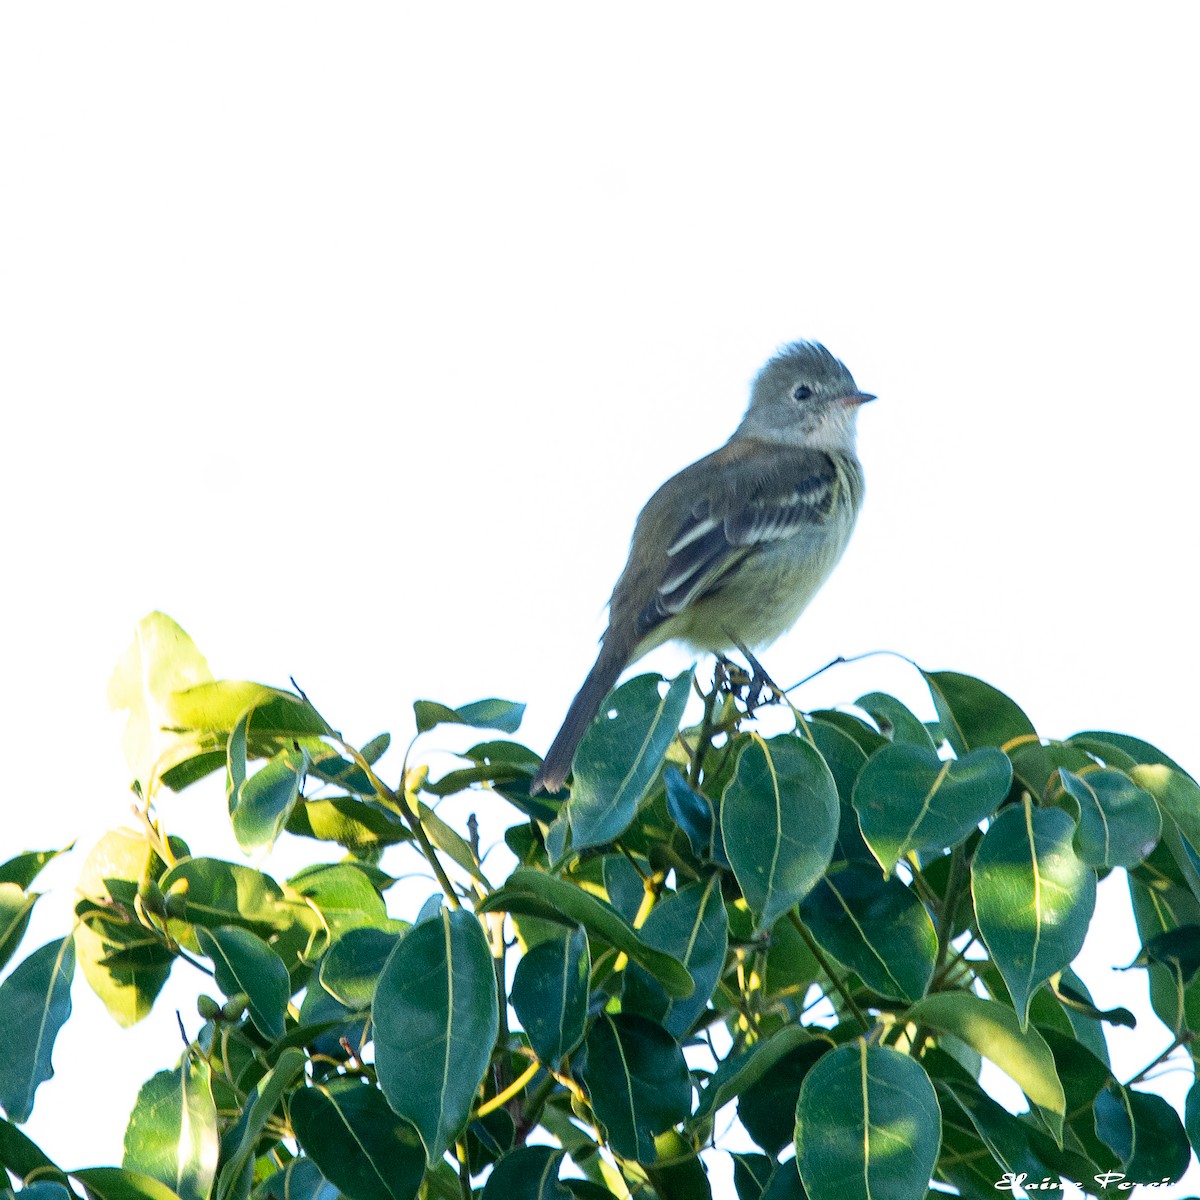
x=354 y=337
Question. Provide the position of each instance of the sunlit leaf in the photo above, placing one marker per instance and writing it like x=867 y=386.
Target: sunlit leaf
x=25 y=868
x=992 y=1029
x=908 y=799
x=504 y=715
x=868 y=1126
x=15 y=909
x=1119 y=823
x=160 y=660
x=875 y=926
x=1033 y=897
x=172 y=1131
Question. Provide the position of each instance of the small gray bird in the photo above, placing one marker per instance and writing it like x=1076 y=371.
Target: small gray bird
x=729 y=552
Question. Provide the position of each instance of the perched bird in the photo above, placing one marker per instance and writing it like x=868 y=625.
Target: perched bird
x=728 y=553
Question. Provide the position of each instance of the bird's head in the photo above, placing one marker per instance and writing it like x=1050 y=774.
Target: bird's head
x=806 y=397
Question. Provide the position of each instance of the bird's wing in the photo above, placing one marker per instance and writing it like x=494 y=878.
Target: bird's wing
x=792 y=495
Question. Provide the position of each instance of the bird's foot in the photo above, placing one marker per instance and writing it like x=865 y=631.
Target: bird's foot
x=754 y=687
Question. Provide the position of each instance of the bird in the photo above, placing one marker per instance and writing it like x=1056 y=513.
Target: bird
x=728 y=552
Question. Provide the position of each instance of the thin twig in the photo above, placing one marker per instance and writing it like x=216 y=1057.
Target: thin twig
x=827 y=967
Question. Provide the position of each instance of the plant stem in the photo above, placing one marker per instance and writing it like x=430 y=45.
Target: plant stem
x=949 y=907
x=399 y=803
x=1182 y=1040
x=464 y=1172
x=531 y=1113
x=514 y=1089
x=827 y=967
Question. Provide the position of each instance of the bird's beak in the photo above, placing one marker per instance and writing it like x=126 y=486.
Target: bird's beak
x=854 y=399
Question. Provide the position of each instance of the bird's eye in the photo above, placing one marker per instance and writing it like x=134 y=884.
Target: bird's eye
x=801 y=392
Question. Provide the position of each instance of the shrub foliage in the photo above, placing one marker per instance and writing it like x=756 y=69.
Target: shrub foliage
x=829 y=929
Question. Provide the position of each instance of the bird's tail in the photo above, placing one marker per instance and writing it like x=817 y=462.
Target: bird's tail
x=552 y=774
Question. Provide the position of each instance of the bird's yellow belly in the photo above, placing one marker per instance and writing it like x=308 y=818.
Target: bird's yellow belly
x=762 y=600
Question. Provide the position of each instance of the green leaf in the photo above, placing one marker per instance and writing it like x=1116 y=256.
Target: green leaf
x=239 y=1144
x=895 y=720
x=435 y=1019
x=298 y=1180
x=767 y=1107
x=1006 y=1137
x=678 y=1173
x=160 y=660
x=550 y=994
x=908 y=799
x=692 y=927
x=1033 y=897
x=260 y=804
x=1191 y=1117
x=449 y=842
x=992 y=1029
x=785 y=1183
x=481 y=714
x=741 y=1071
x=845 y=759
x=117 y=1183
x=1177 y=948
x=15 y=907
x=357 y=825
x=245 y=963
x=1119 y=823
x=751 y=1174
x=624 y=884
x=1144 y=1132
x=620 y=756
x=693 y=813
x=529 y=1173
x=172 y=1131
x=42 y=1189
x=36 y=1001
x=1083 y=1075
x=125 y=963
x=351 y=967
x=25 y=868
x=499 y=762
x=26 y=1160
x=875 y=926
x=359 y=1144
x=344 y=894
x=536 y=894
x=1133 y=748
x=216 y=893
x=862 y=733
x=868 y=1126
x=219 y=706
x=974 y=713
x=1177 y=794
x=637 y=1081
x=779 y=819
